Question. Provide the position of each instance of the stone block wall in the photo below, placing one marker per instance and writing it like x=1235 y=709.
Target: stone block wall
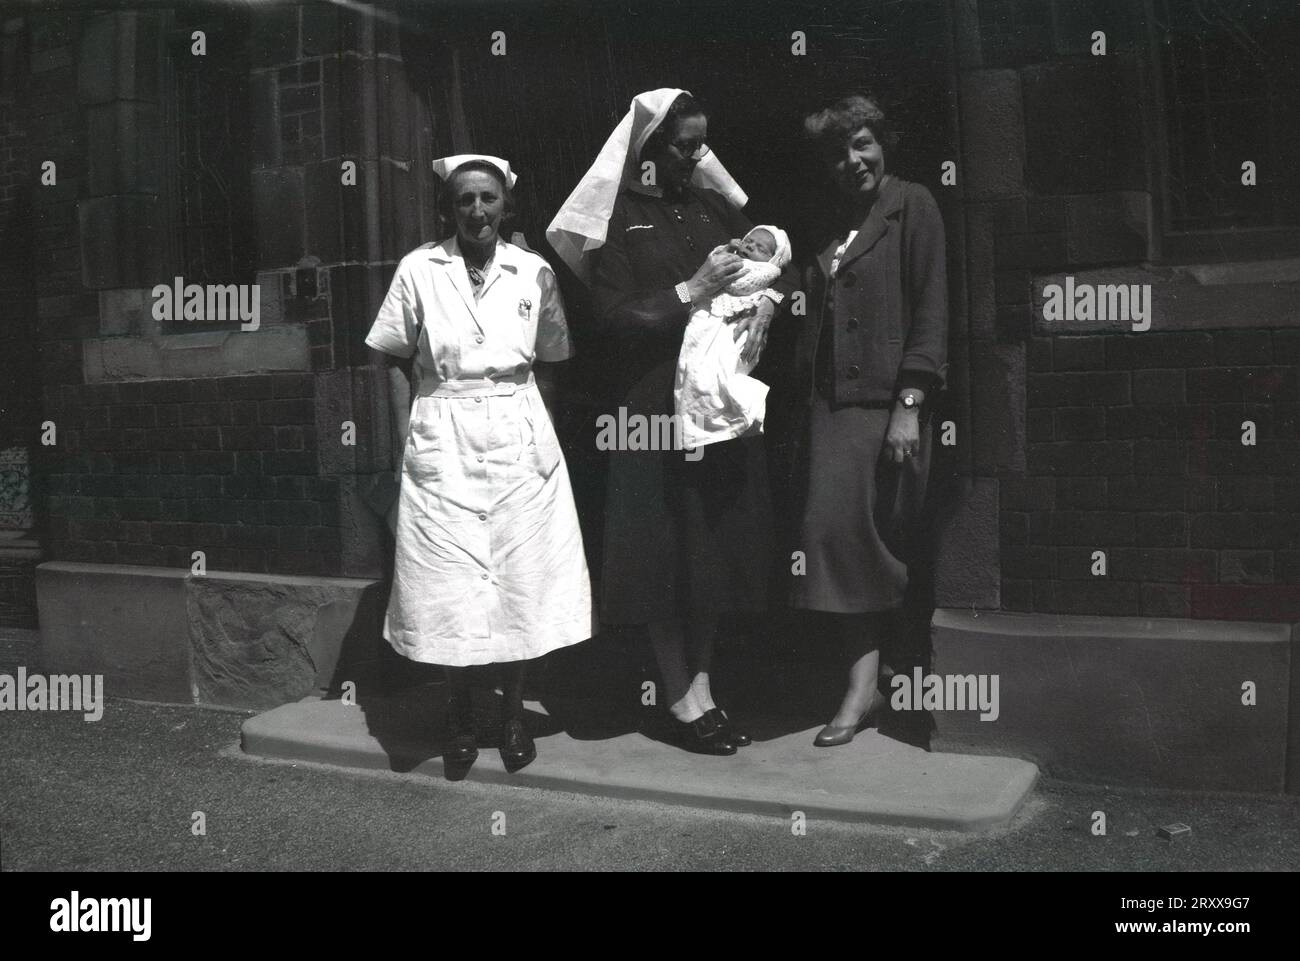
x=33 y=127
x=174 y=438
x=330 y=88
x=1100 y=438
x=233 y=437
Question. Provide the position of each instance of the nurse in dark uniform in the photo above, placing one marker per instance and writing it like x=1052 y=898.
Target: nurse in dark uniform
x=873 y=350
x=688 y=537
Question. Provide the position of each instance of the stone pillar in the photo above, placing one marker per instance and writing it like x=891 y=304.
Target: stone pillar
x=991 y=127
x=123 y=225
x=339 y=200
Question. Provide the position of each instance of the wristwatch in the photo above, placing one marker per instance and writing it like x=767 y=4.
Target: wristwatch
x=908 y=400
x=683 y=294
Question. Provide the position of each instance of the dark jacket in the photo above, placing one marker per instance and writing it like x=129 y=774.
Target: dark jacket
x=886 y=311
x=653 y=243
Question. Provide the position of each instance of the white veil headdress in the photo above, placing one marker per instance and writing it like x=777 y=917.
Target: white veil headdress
x=580 y=226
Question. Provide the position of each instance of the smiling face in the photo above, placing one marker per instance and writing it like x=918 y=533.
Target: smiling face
x=758 y=245
x=675 y=163
x=859 y=165
x=478 y=203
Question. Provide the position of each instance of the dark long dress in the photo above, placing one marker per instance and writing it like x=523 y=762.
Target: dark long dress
x=681 y=537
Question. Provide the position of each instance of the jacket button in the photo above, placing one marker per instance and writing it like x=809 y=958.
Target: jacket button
x=852 y=324
x=853 y=372
x=850 y=280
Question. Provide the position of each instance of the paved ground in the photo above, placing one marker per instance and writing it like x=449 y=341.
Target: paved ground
x=120 y=794
x=877 y=779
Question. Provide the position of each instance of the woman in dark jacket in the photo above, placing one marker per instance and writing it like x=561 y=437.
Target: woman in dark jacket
x=873 y=350
x=688 y=535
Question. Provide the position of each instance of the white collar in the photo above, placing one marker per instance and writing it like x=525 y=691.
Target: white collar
x=449 y=252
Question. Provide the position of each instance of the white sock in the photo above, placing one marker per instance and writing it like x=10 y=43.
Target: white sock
x=700 y=689
x=688 y=708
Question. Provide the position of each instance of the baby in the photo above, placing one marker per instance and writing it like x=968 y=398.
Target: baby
x=714 y=397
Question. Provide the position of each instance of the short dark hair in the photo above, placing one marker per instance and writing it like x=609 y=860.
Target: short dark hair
x=833 y=125
x=447 y=196
x=684 y=106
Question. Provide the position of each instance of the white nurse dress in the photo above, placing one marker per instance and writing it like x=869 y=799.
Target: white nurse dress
x=490 y=564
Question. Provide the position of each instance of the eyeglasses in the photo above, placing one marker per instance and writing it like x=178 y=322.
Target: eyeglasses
x=691 y=149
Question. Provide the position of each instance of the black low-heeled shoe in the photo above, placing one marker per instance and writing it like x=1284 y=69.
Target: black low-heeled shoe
x=517 y=747
x=460 y=746
x=735 y=735
x=703 y=736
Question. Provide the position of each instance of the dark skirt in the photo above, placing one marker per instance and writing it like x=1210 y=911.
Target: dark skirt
x=860 y=512
x=685 y=538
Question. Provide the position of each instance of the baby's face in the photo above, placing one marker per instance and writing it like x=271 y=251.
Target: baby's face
x=758 y=245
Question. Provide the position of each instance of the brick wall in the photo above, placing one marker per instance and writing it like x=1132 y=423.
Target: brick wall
x=18 y=412
x=20 y=49
x=1103 y=439
x=1135 y=448
x=152 y=472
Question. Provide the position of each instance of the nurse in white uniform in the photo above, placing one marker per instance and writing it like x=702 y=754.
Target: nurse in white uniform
x=489 y=564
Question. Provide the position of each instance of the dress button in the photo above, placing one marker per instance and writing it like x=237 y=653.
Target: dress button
x=478 y=339
x=482 y=517
x=484 y=576
x=480 y=458
x=478 y=400
x=850 y=280
x=852 y=324
x=853 y=371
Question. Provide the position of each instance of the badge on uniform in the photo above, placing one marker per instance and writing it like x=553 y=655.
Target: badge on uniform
x=525 y=307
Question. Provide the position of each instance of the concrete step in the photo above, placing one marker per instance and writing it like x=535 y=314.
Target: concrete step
x=1145 y=702
x=875 y=779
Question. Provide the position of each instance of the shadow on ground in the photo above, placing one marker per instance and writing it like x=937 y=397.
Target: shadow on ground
x=774 y=678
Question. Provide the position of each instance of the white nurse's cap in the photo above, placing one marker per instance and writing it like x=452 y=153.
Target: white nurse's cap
x=445 y=165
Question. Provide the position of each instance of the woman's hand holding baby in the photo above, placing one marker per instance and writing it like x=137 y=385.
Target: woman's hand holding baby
x=755 y=320
x=719 y=269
